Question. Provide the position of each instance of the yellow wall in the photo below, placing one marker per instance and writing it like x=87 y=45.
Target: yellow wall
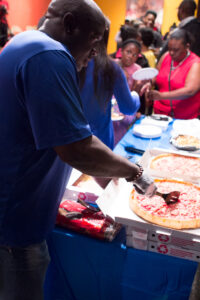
x=169 y=14
x=115 y=10
x=25 y=13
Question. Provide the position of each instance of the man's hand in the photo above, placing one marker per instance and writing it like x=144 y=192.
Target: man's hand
x=145 y=185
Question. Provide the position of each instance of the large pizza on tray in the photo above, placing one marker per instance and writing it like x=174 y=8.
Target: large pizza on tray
x=179 y=164
x=183 y=214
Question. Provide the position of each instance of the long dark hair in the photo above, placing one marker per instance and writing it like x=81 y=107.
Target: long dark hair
x=104 y=72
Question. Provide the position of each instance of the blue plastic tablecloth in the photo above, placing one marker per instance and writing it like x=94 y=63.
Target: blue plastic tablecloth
x=130 y=139
x=84 y=268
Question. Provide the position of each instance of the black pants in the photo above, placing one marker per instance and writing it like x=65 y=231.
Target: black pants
x=22 y=272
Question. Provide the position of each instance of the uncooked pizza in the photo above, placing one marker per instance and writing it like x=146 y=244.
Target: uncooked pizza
x=180 y=215
x=178 y=164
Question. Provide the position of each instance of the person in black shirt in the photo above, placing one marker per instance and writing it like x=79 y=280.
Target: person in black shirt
x=188 y=22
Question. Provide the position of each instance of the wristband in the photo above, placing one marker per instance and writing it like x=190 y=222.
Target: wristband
x=138 y=175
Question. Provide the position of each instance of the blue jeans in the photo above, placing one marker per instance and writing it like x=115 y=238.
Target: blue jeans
x=22 y=272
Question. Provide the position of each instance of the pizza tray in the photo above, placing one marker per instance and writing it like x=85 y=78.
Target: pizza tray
x=187 y=128
x=114 y=202
x=152 y=153
x=173 y=141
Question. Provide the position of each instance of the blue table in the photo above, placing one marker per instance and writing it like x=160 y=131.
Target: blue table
x=143 y=143
x=83 y=268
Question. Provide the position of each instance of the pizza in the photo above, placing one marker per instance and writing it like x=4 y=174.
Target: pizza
x=176 y=164
x=181 y=215
x=187 y=141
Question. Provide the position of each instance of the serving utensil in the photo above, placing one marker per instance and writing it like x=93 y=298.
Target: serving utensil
x=87 y=205
x=170 y=198
x=70 y=214
x=159 y=118
x=134 y=150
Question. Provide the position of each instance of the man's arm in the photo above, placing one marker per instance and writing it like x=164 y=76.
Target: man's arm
x=92 y=157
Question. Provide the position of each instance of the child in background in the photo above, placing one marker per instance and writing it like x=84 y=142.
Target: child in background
x=147 y=39
x=130 y=51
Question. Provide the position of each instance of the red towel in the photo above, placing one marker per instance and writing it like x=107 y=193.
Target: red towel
x=77 y=217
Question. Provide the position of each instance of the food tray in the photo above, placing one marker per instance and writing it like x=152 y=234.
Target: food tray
x=114 y=202
x=174 y=142
x=152 y=153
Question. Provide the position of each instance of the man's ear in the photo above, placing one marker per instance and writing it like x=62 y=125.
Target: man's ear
x=69 y=22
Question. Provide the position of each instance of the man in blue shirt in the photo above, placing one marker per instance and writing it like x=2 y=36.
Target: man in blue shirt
x=42 y=133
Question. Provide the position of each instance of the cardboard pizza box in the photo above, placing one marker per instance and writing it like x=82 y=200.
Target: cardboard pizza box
x=136 y=243
x=172 y=250
x=162 y=248
x=114 y=202
x=152 y=153
x=82 y=186
x=165 y=236
x=176 y=238
x=141 y=242
x=73 y=193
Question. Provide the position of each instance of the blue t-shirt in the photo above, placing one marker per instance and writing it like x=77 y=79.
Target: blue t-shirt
x=99 y=114
x=40 y=108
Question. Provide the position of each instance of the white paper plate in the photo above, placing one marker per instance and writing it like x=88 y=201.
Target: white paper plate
x=145 y=74
x=153 y=122
x=147 y=131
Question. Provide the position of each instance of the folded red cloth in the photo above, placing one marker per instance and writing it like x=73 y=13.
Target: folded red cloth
x=75 y=216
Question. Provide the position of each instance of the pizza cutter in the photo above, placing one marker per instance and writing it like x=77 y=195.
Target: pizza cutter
x=170 y=198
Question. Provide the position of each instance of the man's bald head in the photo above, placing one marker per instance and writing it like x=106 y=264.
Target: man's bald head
x=86 y=12
x=79 y=24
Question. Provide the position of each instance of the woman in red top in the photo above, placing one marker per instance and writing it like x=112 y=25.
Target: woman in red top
x=178 y=80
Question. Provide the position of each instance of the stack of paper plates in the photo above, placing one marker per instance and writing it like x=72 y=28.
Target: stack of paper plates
x=147 y=131
x=148 y=120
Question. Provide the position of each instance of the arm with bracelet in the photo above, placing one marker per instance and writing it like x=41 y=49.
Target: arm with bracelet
x=143 y=183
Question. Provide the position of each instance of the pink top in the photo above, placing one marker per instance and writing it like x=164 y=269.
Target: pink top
x=183 y=109
x=129 y=72
x=119 y=53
